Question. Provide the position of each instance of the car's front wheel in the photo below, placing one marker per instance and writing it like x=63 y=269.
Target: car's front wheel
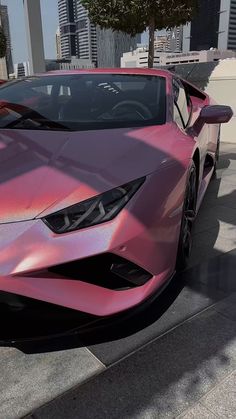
x=188 y=216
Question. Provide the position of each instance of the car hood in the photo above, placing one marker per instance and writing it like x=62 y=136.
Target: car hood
x=42 y=172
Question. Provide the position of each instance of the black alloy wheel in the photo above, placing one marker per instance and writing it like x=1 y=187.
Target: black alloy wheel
x=188 y=217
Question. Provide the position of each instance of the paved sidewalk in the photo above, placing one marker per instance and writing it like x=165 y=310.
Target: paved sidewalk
x=190 y=371
x=178 y=359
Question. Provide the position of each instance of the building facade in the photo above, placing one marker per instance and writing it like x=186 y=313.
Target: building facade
x=21 y=70
x=139 y=57
x=78 y=35
x=228 y=24
x=175 y=39
x=213 y=27
x=83 y=40
x=3 y=69
x=161 y=43
x=34 y=36
x=66 y=11
x=6 y=28
x=111 y=46
x=58 y=44
x=171 y=40
x=86 y=36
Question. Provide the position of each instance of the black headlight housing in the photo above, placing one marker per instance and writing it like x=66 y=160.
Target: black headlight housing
x=93 y=211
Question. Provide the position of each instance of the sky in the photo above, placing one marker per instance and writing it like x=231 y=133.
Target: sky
x=17 y=28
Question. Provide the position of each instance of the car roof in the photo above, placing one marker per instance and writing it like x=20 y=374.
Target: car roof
x=134 y=71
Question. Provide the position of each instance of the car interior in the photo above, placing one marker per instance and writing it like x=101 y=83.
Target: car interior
x=91 y=99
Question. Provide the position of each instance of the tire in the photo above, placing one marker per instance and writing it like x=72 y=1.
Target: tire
x=217 y=153
x=188 y=217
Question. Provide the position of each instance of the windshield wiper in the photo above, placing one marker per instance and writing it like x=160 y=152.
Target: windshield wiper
x=31 y=124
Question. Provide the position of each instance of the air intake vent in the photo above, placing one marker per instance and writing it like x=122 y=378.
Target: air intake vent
x=107 y=271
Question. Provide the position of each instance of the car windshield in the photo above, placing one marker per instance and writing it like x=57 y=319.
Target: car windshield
x=76 y=102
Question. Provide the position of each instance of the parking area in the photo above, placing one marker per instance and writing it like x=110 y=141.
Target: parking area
x=176 y=359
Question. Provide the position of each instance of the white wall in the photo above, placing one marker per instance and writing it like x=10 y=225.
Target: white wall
x=222 y=88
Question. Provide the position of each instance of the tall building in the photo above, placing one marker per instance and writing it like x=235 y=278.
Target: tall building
x=227 y=27
x=66 y=10
x=111 y=46
x=161 y=43
x=82 y=39
x=58 y=44
x=86 y=35
x=6 y=28
x=3 y=69
x=21 y=69
x=213 y=27
x=34 y=36
x=175 y=39
x=170 y=40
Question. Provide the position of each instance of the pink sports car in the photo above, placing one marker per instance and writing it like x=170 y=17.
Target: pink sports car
x=102 y=173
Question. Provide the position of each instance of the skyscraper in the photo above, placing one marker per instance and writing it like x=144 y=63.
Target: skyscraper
x=85 y=34
x=213 y=27
x=6 y=28
x=21 y=69
x=229 y=35
x=79 y=37
x=169 y=40
x=111 y=46
x=175 y=39
x=34 y=36
x=66 y=9
x=58 y=44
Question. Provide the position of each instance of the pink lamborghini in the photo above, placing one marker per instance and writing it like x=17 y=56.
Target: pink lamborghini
x=102 y=173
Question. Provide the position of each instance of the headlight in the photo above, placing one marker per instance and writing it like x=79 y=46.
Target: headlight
x=93 y=211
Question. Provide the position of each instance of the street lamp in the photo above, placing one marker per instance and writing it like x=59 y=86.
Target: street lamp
x=34 y=33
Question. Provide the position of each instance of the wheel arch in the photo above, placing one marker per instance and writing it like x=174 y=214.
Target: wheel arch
x=196 y=160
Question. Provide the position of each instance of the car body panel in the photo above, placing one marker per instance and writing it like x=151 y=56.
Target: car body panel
x=42 y=172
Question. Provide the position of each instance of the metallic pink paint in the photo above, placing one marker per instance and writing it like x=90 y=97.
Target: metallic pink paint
x=39 y=174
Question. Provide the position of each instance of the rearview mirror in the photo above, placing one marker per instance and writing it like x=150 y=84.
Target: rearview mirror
x=213 y=114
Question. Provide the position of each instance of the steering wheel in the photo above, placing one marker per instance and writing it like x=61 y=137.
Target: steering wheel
x=141 y=109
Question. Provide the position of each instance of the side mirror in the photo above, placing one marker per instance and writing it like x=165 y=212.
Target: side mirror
x=213 y=114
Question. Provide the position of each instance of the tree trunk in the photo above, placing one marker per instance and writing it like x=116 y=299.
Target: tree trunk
x=151 y=42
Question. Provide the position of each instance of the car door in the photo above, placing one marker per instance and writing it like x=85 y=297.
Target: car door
x=185 y=114
x=182 y=105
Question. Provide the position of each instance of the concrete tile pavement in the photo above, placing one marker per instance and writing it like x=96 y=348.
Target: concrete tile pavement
x=227 y=307
x=27 y=381
x=198 y=412
x=222 y=400
x=164 y=379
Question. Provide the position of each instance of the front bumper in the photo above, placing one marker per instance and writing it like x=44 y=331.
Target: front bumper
x=30 y=252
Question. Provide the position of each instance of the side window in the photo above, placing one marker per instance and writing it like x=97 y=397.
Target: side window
x=181 y=109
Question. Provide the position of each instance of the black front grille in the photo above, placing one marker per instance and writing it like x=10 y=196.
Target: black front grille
x=107 y=271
